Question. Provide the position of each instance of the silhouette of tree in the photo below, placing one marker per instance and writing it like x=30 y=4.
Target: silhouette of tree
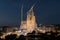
x=11 y=37
x=21 y=37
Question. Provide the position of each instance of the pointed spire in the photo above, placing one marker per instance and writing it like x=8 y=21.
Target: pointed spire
x=32 y=6
x=22 y=13
x=30 y=12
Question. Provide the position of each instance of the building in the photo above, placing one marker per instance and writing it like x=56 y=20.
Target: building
x=1 y=29
x=30 y=23
x=7 y=29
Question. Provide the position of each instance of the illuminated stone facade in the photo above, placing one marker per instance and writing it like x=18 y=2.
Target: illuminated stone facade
x=30 y=20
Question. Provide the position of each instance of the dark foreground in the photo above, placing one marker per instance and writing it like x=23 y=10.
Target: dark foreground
x=34 y=36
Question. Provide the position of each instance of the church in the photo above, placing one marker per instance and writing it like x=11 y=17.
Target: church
x=30 y=23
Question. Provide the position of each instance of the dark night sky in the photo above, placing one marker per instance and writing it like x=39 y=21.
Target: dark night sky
x=46 y=11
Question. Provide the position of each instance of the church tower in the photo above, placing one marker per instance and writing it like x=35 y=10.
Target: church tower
x=31 y=20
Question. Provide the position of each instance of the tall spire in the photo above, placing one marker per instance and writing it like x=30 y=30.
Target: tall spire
x=30 y=19
x=22 y=13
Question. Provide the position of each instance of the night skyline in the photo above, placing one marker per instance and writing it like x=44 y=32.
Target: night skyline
x=46 y=11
